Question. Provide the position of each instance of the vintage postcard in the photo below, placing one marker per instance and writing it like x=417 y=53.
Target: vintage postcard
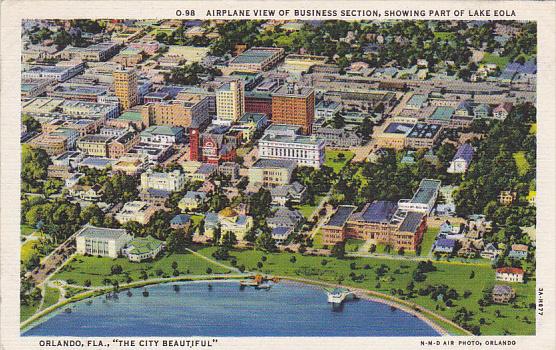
x=358 y=175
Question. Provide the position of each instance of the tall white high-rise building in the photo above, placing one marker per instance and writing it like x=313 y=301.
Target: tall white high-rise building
x=230 y=102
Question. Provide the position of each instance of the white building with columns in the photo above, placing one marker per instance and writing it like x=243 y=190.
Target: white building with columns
x=283 y=142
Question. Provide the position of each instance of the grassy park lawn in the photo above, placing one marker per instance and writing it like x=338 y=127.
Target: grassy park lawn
x=428 y=240
x=500 y=61
x=353 y=245
x=26 y=311
x=307 y=209
x=398 y=276
x=51 y=296
x=28 y=248
x=95 y=269
x=332 y=160
x=26 y=230
x=317 y=240
x=521 y=163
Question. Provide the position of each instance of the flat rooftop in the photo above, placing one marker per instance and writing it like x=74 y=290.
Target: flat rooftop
x=398 y=128
x=377 y=211
x=275 y=163
x=101 y=233
x=298 y=139
x=411 y=222
x=342 y=214
x=424 y=131
x=256 y=55
x=426 y=191
x=442 y=113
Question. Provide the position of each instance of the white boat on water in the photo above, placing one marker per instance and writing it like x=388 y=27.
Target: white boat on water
x=338 y=295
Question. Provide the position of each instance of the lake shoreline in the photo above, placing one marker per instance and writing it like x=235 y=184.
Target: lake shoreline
x=361 y=293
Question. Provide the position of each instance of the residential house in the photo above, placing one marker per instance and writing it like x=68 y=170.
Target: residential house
x=192 y=201
x=519 y=251
x=502 y=294
x=229 y=221
x=285 y=217
x=510 y=274
x=281 y=233
x=180 y=221
x=502 y=111
x=481 y=111
x=491 y=251
x=444 y=245
x=87 y=193
x=507 y=197
x=462 y=159
x=155 y=197
x=282 y=194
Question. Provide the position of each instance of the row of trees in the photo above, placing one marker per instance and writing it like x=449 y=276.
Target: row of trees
x=494 y=170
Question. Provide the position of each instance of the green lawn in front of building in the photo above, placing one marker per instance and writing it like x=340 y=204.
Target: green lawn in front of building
x=500 y=61
x=317 y=240
x=336 y=162
x=428 y=240
x=307 y=209
x=353 y=245
x=398 y=274
x=95 y=269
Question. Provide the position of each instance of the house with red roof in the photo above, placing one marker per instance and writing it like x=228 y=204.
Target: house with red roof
x=510 y=274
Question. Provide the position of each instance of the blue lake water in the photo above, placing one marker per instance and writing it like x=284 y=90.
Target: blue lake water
x=287 y=309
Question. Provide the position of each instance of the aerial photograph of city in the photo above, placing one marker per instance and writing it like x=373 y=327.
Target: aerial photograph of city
x=278 y=178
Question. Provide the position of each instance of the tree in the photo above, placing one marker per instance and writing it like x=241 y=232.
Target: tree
x=265 y=242
x=217 y=234
x=116 y=269
x=338 y=121
x=339 y=250
x=229 y=239
x=34 y=164
x=365 y=129
x=92 y=215
x=30 y=123
x=176 y=241
x=251 y=235
x=222 y=253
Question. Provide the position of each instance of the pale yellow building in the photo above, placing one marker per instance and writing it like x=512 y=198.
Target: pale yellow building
x=125 y=87
x=272 y=172
x=94 y=145
x=230 y=101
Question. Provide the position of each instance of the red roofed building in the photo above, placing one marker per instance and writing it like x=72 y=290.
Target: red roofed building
x=510 y=274
x=502 y=110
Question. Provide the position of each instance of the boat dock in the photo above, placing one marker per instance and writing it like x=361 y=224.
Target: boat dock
x=339 y=295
